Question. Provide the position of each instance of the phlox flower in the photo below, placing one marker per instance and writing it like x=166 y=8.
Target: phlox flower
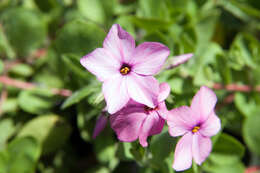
x=139 y=121
x=100 y=125
x=196 y=124
x=126 y=70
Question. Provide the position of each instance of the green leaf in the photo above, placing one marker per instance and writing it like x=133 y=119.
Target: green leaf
x=245 y=103
x=20 y=156
x=1 y=66
x=79 y=37
x=7 y=129
x=228 y=146
x=46 y=5
x=251 y=130
x=10 y=105
x=35 y=102
x=123 y=151
x=73 y=64
x=162 y=147
x=76 y=97
x=22 y=70
x=153 y=9
x=5 y=48
x=93 y=10
x=51 y=131
x=31 y=32
x=149 y=24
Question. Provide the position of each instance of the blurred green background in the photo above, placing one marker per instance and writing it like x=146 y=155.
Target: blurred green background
x=50 y=103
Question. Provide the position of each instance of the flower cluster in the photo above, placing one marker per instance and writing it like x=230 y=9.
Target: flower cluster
x=136 y=100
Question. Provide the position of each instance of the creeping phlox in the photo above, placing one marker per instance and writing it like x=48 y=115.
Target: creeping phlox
x=136 y=100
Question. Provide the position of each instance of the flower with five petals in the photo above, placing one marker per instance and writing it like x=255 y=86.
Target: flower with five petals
x=126 y=70
x=196 y=124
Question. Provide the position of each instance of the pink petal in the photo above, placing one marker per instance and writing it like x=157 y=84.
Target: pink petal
x=149 y=57
x=146 y=128
x=183 y=153
x=119 y=43
x=203 y=103
x=152 y=125
x=180 y=121
x=127 y=123
x=115 y=93
x=165 y=90
x=143 y=89
x=101 y=64
x=178 y=60
x=100 y=125
x=162 y=110
x=201 y=147
x=211 y=126
x=158 y=124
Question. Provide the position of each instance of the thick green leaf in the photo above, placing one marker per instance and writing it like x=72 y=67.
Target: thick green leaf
x=245 y=103
x=35 y=102
x=7 y=129
x=251 y=131
x=22 y=70
x=228 y=146
x=51 y=131
x=31 y=32
x=79 y=37
x=76 y=97
x=20 y=156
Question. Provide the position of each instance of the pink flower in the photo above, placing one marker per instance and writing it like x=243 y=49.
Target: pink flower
x=139 y=121
x=197 y=124
x=125 y=70
x=100 y=125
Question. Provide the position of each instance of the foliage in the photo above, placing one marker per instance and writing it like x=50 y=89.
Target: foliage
x=41 y=42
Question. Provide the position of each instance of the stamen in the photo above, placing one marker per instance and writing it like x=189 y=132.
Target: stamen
x=125 y=70
x=195 y=129
x=148 y=109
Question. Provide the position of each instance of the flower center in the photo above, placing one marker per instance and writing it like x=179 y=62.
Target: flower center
x=148 y=109
x=195 y=129
x=125 y=69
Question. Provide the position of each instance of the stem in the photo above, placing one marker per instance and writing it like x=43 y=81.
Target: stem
x=195 y=167
x=27 y=86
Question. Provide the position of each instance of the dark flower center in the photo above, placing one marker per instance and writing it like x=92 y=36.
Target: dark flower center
x=125 y=69
x=195 y=129
x=148 y=109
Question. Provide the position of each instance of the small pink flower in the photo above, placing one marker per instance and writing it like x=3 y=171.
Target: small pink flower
x=197 y=124
x=100 y=125
x=125 y=70
x=139 y=121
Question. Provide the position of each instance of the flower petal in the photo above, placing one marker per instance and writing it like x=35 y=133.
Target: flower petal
x=147 y=126
x=203 y=103
x=100 y=125
x=115 y=93
x=101 y=64
x=201 y=147
x=211 y=127
x=127 y=122
x=143 y=89
x=165 y=90
x=158 y=124
x=180 y=121
x=178 y=60
x=162 y=110
x=149 y=57
x=183 y=153
x=119 y=43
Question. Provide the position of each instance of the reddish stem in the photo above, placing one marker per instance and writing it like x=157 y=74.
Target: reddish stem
x=236 y=87
x=27 y=86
